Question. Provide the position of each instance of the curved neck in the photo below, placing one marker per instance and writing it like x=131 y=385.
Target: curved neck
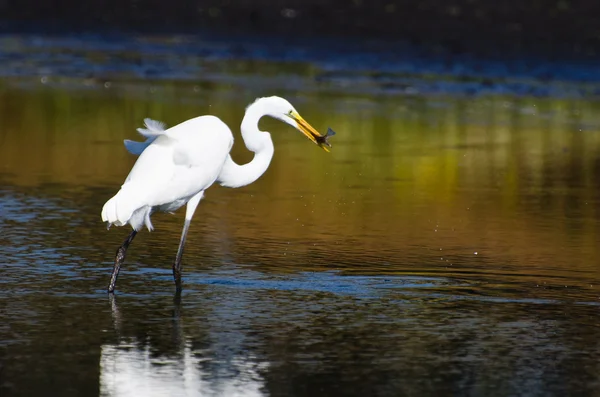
x=257 y=141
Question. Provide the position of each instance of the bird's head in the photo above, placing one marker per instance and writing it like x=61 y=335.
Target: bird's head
x=281 y=109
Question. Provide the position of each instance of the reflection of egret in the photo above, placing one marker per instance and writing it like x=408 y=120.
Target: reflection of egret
x=176 y=166
x=126 y=369
x=177 y=331
x=133 y=367
x=116 y=313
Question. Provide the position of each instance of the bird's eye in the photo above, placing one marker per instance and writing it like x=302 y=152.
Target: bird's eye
x=291 y=112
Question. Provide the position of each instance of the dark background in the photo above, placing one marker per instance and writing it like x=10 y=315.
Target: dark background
x=494 y=28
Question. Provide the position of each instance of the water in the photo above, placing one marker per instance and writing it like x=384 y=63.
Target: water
x=447 y=245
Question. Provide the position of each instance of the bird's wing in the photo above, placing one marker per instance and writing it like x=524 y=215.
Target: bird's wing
x=181 y=162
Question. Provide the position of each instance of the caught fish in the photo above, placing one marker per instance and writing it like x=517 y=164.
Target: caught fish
x=322 y=140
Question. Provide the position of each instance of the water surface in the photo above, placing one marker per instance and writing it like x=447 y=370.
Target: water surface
x=446 y=245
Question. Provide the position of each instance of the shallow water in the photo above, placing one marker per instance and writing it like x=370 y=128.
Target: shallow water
x=446 y=245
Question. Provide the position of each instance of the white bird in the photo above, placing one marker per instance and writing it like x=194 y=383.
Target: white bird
x=176 y=165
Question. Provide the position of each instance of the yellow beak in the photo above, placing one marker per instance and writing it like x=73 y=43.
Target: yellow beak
x=309 y=131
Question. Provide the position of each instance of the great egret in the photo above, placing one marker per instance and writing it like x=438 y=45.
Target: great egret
x=176 y=165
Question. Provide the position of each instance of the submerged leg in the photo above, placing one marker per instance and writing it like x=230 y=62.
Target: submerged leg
x=119 y=258
x=189 y=212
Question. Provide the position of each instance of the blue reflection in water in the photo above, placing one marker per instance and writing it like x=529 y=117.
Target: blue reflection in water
x=327 y=281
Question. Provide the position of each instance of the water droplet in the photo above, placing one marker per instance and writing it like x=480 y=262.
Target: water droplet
x=289 y=13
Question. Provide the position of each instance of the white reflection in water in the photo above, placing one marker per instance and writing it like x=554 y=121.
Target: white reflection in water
x=125 y=370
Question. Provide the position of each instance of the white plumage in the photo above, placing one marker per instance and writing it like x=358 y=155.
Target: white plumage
x=176 y=165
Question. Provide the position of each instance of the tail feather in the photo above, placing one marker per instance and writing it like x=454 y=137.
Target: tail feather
x=109 y=212
x=122 y=207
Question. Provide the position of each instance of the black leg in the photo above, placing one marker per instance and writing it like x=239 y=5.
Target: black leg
x=119 y=258
x=177 y=264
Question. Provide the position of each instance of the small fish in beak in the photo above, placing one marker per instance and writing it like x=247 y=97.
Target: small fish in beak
x=322 y=140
